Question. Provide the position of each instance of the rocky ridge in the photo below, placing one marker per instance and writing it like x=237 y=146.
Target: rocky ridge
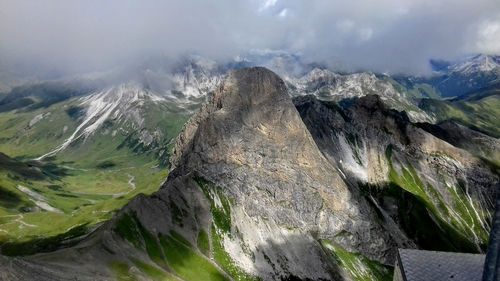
x=380 y=151
x=250 y=140
x=329 y=86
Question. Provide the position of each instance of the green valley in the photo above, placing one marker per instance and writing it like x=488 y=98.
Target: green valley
x=479 y=110
x=111 y=158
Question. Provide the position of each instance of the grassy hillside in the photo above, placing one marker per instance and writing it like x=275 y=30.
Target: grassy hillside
x=55 y=199
x=43 y=203
x=411 y=89
x=478 y=111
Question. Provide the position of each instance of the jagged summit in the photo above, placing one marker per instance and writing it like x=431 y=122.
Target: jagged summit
x=248 y=96
x=249 y=140
x=478 y=63
x=248 y=87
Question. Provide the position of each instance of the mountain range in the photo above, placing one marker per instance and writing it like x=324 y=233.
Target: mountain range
x=297 y=174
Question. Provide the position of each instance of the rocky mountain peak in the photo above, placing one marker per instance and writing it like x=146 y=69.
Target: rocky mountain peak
x=372 y=106
x=478 y=63
x=252 y=98
x=249 y=87
x=249 y=113
x=250 y=140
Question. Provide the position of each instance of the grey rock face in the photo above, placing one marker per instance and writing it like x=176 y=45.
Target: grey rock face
x=329 y=86
x=460 y=136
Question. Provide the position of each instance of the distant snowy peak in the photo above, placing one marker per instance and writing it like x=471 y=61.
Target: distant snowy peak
x=465 y=76
x=118 y=103
x=191 y=77
x=125 y=93
x=328 y=85
x=195 y=82
x=123 y=105
x=479 y=63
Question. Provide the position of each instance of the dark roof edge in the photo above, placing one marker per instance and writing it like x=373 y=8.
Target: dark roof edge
x=401 y=267
x=491 y=270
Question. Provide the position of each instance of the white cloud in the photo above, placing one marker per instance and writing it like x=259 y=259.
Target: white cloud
x=267 y=4
x=385 y=35
x=345 y=25
x=489 y=37
x=283 y=13
x=365 y=34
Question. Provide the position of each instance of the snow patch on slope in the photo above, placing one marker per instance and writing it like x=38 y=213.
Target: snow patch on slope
x=121 y=103
x=37 y=119
x=196 y=78
x=38 y=199
x=480 y=63
x=326 y=85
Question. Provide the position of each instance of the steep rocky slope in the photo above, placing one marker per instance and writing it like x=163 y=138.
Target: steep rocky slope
x=389 y=158
x=329 y=86
x=461 y=136
x=263 y=188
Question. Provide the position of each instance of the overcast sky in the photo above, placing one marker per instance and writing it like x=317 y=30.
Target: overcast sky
x=382 y=35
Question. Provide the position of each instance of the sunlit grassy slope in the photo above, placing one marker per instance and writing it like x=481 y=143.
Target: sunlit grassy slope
x=42 y=203
x=78 y=197
x=479 y=111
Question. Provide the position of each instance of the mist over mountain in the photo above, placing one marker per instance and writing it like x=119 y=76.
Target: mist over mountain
x=57 y=38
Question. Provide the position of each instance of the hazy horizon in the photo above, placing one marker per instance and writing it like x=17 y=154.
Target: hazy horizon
x=65 y=37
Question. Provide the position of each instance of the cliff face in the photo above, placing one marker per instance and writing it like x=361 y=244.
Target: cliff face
x=263 y=187
x=250 y=141
x=392 y=161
